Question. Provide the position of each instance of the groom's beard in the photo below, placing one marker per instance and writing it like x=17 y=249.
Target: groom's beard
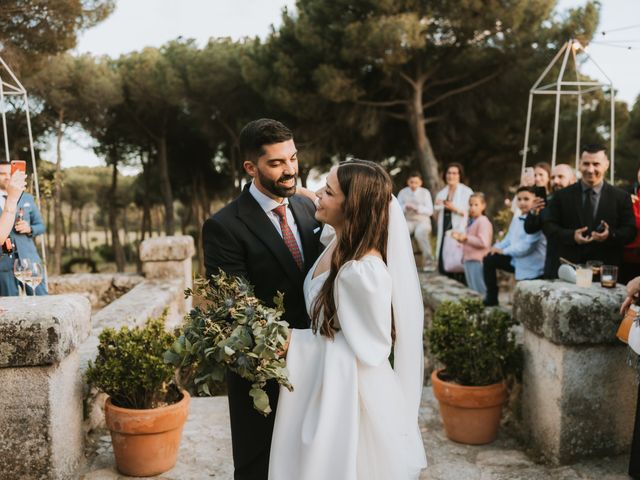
x=276 y=188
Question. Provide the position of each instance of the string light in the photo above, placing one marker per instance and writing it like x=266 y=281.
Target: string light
x=630 y=27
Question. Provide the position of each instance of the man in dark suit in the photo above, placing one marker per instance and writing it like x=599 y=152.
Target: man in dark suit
x=269 y=236
x=28 y=225
x=591 y=219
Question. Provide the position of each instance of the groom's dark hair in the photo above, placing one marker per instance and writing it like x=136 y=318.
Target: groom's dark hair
x=258 y=133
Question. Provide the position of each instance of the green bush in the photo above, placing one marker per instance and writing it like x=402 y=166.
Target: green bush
x=130 y=367
x=476 y=344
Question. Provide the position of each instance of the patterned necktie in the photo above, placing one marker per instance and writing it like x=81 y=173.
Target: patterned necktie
x=288 y=236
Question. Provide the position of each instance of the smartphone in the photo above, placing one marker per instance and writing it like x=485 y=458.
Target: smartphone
x=600 y=228
x=540 y=192
x=18 y=165
x=528 y=176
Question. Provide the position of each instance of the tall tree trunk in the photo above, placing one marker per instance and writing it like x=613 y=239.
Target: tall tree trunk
x=66 y=235
x=145 y=225
x=125 y=227
x=57 y=199
x=113 y=217
x=106 y=234
x=48 y=206
x=165 y=186
x=86 y=227
x=83 y=250
x=424 y=152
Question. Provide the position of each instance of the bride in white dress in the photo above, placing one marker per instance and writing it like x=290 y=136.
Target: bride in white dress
x=352 y=416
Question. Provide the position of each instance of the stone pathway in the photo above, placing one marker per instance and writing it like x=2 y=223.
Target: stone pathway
x=205 y=453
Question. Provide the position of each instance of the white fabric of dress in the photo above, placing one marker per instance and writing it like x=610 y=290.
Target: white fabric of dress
x=348 y=417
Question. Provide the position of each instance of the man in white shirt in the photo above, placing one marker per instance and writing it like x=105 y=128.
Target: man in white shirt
x=418 y=207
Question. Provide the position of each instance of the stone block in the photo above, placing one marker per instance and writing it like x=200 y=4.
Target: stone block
x=578 y=395
x=42 y=330
x=438 y=288
x=41 y=434
x=569 y=315
x=170 y=269
x=161 y=249
x=577 y=402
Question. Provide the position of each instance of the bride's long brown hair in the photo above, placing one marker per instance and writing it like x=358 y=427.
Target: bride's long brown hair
x=367 y=192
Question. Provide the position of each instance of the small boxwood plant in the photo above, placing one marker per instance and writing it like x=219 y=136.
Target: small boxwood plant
x=476 y=344
x=130 y=367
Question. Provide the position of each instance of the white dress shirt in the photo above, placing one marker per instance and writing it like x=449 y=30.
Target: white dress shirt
x=420 y=199
x=3 y=198
x=268 y=204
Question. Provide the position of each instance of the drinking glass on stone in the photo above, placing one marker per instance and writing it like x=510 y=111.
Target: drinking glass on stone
x=22 y=272
x=584 y=274
x=36 y=277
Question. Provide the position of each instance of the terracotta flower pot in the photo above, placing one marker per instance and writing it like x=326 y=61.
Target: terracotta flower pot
x=146 y=442
x=471 y=415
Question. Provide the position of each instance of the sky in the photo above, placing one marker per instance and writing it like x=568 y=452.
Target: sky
x=139 y=23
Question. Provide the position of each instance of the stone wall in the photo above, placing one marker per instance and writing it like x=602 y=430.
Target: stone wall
x=41 y=386
x=100 y=288
x=579 y=395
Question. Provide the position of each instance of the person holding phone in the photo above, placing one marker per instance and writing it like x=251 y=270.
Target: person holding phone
x=23 y=222
x=562 y=175
x=15 y=185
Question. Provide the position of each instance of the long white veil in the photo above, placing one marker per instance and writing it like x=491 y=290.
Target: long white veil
x=408 y=314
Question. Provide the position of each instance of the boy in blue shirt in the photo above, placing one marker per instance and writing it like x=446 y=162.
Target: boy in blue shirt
x=518 y=252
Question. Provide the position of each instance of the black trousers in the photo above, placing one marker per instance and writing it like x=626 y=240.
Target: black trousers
x=250 y=431
x=634 y=463
x=490 y=266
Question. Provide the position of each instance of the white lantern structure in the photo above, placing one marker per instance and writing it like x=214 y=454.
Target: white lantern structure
x=579 y=87
x=10 y=86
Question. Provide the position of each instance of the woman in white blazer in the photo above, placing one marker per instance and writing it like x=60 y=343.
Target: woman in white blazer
x=452 y=207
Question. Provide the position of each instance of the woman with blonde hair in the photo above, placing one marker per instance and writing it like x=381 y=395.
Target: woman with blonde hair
x=352 y=414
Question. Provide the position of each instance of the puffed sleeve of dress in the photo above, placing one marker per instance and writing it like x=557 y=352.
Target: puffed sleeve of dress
x=363 y=303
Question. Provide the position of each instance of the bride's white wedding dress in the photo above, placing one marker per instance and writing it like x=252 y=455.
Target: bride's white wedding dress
x=348 y=417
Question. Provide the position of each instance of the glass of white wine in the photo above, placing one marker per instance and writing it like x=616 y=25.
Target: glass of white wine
x=22 y=272
x=36 y=276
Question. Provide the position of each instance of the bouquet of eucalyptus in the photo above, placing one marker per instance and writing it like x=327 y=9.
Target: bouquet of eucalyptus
x=231 y=330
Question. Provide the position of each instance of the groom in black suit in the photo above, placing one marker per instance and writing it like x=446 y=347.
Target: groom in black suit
x=269 y=236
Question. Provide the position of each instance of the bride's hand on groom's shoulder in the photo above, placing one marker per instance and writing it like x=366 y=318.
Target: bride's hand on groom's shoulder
x=305 y=192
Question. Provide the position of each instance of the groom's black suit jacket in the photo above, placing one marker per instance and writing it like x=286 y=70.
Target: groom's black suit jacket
x=241 y=240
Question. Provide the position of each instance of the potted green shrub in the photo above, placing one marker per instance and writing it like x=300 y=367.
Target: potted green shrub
x=145 y=411
x=477 y=347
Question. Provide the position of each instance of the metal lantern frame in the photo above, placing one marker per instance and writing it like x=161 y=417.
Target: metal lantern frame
x=10 y=86
x=578 y=88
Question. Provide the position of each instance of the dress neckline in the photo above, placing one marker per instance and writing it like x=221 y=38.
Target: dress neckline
x=315 y=265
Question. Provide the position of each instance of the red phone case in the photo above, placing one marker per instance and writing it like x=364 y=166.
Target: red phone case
x=18 y=165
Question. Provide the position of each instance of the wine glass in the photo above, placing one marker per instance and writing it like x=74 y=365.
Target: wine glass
x=36 y=276
x=22 y=272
